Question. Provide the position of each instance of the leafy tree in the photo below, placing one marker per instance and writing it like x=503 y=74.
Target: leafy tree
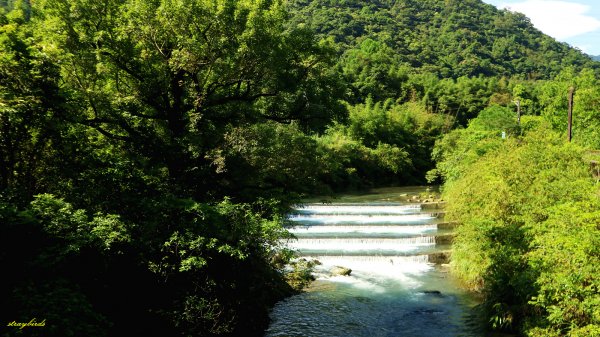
x=167 y=84
x=29 y=103
x=275 y=161
x=382 y=143
x=461 y=148
x=374 y=70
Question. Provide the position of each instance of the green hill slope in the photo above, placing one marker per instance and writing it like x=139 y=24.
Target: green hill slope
x=450 y=38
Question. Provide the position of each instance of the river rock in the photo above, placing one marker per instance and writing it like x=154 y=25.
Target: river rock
x=432 y=292
x=341 y=271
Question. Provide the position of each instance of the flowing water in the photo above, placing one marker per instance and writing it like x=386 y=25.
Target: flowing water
x=387 y=239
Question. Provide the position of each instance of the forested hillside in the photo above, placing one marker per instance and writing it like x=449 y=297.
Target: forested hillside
x=150 y=149
x=413 y=70
x=450 y=38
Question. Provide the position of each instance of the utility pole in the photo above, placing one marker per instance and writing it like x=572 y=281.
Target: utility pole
x=518 y=103
x=570 y=114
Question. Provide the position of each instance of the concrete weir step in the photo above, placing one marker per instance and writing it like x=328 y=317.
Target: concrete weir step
x=447 y=225
x=442 y=257
x=444 y=239
x=433 y=205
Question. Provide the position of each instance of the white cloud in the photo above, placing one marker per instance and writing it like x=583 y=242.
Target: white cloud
x=559 y=19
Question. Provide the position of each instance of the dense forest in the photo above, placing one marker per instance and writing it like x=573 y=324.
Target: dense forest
x=149 y=151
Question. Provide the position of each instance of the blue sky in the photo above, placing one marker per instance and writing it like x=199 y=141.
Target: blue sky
x=576 y=22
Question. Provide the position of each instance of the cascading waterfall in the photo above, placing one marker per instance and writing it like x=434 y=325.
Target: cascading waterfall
x=359 y=209
x=308 y=231
x=392 y=290
x=385 y=230
x=367 y=246
x=316 y=219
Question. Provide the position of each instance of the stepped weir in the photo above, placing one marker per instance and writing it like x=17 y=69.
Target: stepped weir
x=394 y=284
x=379 y=231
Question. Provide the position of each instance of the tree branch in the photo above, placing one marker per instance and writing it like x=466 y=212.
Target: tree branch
x=239 y=98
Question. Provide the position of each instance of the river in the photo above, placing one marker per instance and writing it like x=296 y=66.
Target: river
x=388 y=240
